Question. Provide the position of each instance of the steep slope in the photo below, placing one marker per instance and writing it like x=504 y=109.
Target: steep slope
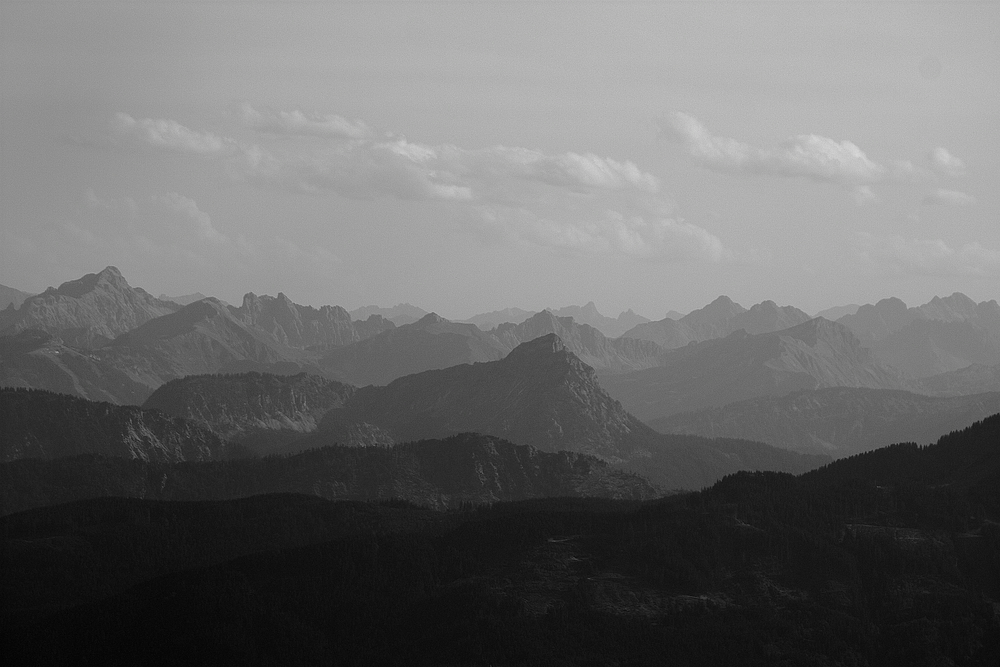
x=400 y=314
x=812 y=355
x=974 y=379
x=430 y=343
x=40 y=424
x=839 y=421
x=258 y=410
x=10 y=297
x=586 y=342
x=287 y=324
x=540 y=395
x=33 y=359
x=87 y=312
x=717 y=320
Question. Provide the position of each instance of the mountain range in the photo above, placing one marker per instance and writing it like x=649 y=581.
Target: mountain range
x=611 y=327
x=10 y=297
x=839 y=421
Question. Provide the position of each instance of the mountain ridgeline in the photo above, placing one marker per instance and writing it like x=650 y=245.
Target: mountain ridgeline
x=41 y=424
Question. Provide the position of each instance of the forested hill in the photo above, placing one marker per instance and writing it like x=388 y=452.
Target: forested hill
x=433 y=473
x=41 y=424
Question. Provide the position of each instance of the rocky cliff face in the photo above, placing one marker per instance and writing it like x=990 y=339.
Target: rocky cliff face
x=40 y=424
x=88 y=312
x=540 y=394
x=251 y=407
x=292 y=325
x=812 y=355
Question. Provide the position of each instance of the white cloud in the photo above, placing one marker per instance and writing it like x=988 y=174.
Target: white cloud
x=806 y=155
x=613 y=232
x=169 y=135
x=949 y=198
x=298 y=122
x=194 y=218
x=945 y=163
x=863 y=194
x=931 y=257
x=124 y=205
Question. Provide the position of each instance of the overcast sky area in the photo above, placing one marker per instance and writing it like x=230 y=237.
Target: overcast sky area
x=466 y=157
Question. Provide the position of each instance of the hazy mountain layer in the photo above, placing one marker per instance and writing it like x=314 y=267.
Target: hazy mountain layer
x=612 y=327
x=399 y=314
x=812 y=355
x=34 y=359
x=586 y=342
x=974 y=379
x=430 y=343
x=839 y=421
x=288 y=324
x=493 y=319
x=184 y=299
x=87 y=312
x=41 y=424
x=258 y=410
x=12 y=297
x=717 y=320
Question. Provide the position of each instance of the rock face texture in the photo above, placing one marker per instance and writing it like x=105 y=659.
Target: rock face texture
x=40 y=424
x=256 y=409
x=289 y=324
x=88 y=312
x=812 y=355
x=839 y=421
x=541 y=395
x=717 y=320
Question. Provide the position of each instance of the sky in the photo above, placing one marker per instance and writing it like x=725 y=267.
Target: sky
x=471 y=156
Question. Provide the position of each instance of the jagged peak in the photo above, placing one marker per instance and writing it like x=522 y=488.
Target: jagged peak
x=546 y=345
x=77 y=288
x=430 y=318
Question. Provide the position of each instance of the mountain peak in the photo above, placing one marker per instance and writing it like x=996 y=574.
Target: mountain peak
x=542 y=346
x=430 y=318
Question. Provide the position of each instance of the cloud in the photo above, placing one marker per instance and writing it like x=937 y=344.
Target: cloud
x=863 y=194
x=192 y=217
x=124 y=205
x=932 y=257
x=806 y=155
x=168 y=135
x=944 y=197
x=612 y=232
x=413 y=171
x=298 y=122
x=945 y=163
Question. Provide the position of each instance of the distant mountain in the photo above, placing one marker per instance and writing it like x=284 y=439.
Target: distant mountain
x=87 y=312
x=183 y=300
x=839 y=421
x=588 y=343
x=610 y=326
x=835 y=313
x=974 y=379
x=542 y=395
x=674 y=315
x=41 y=424
x=812 y=355
x=926 y=347
x=430 y=343
x=717 y=320
x=287 y=324
x=872 y=323
x=466 y=468
x=399 y=314
x=493 y=319
x=258 y=410
x=33 y=359
x=11 y=297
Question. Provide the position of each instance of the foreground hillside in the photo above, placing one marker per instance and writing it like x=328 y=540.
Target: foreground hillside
x=888 y=558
